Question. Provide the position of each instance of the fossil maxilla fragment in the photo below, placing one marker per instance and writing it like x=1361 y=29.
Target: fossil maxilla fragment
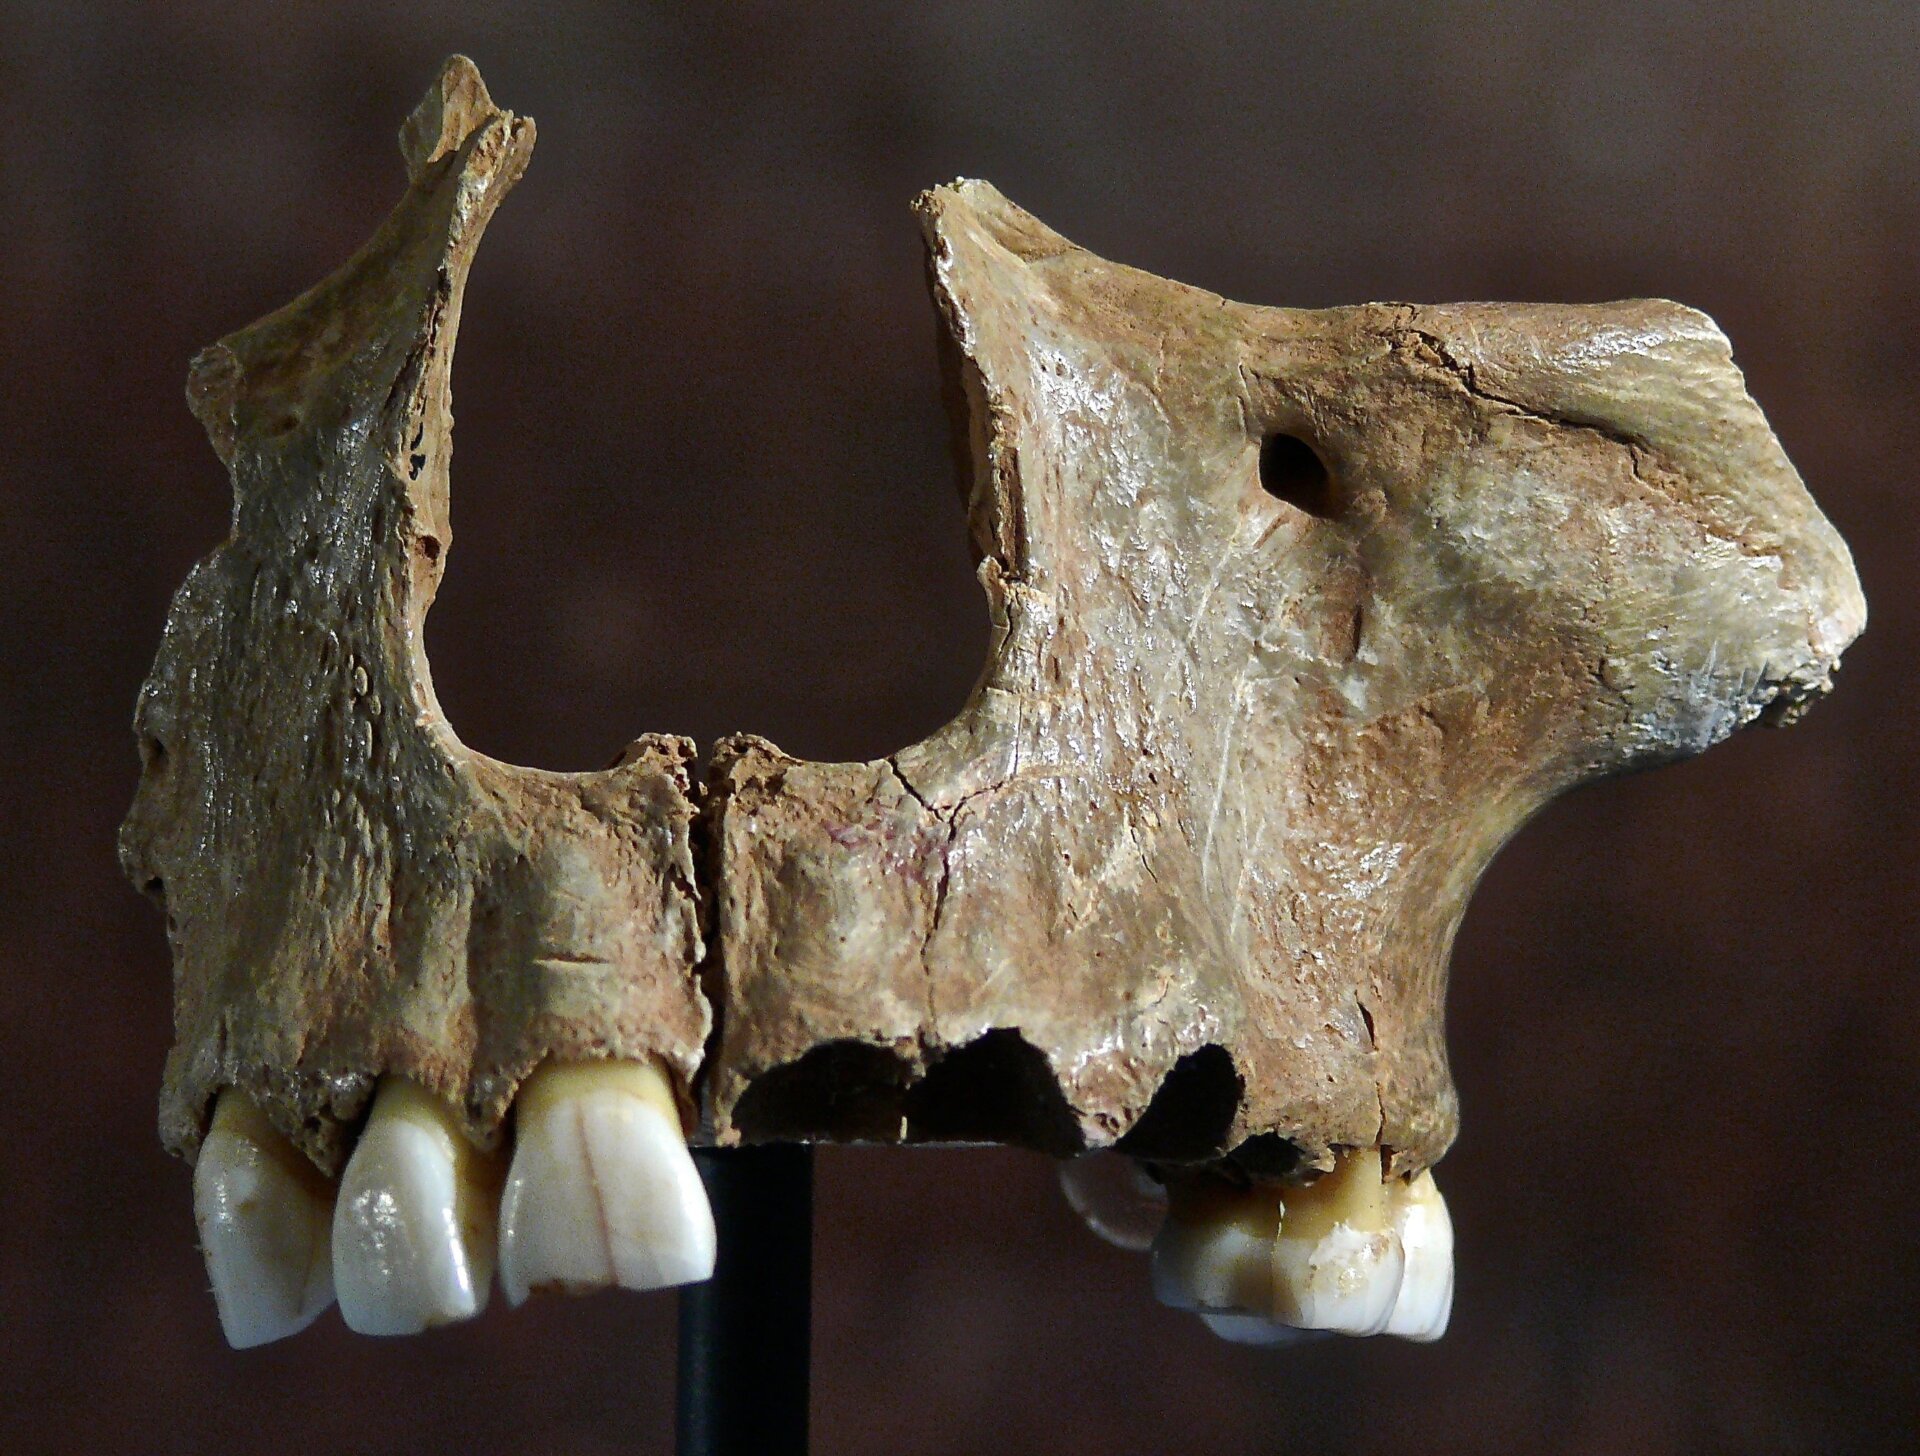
x=1297 y=616
x=350 y=891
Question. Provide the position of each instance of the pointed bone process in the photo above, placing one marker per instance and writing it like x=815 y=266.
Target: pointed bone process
x=1296 y=617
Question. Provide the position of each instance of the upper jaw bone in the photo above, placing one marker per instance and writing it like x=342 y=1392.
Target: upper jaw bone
x=602 y=1191
x=1351 y=1253
x=413 y=1228
x=264 y=1212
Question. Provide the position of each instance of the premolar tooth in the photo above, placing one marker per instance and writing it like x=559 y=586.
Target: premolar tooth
x=263 y=1211
x=1338 y=1262
x=602 y=1191
x=1116 y=1197
x=1426 y=1233
x=413 y=1228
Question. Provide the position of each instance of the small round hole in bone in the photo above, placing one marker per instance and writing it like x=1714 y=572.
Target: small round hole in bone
x=1291 y=470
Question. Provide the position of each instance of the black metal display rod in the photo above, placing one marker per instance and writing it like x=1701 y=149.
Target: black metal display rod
x=745 y=1334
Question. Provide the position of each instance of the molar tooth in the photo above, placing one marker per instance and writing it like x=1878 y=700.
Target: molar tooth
x=413 y=1228
x=1215 y=1251
x=1426 y=1233
x=1338 y=1261
x=263 y=1212
x=1116 y=1197
x=1326 y=1256
x=602 y=1191
x=1254 y=1329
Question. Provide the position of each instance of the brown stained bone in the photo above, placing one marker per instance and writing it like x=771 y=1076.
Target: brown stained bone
x=1297 y=616
x=1185 y=871
x=349 y=889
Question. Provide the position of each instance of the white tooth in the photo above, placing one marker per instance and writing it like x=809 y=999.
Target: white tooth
x=1337 y=1264
x=1426 y=1233
x=602 y=1191
x=1215 y=1251
x=413 y=1237
x=1116 y=1197
x=1326 y=1256
x=263 y=1211
x=1253 y=1329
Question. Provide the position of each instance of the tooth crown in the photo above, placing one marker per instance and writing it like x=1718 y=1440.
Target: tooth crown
x=1184 y=872
x=1350 y=1253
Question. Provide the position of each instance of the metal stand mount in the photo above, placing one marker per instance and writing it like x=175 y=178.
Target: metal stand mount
x=745 y=1333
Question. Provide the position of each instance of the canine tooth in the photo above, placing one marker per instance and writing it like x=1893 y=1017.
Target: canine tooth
x=413 y=1228
x=1426 y=1233
x=602 y=1191
x=1338 y=1263
x=1116 y=1197
x=1215 y=1252
x=263 y=1212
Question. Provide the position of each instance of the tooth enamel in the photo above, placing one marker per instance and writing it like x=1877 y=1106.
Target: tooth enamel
x=1426 y=1233
x=1253 y=1329
x=1325 y=1256
x=1215 y=1252
x=1116 y=1198
x=1337 y=1264
x=413 y=1228
x=602 y=1191
x=263 y=1212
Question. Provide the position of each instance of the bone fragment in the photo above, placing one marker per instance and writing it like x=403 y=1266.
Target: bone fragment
x=1297 y=615
x=350 y=891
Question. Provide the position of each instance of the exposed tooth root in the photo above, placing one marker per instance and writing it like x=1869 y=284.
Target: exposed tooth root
x=602 y=1191
x=1327 y=1256
x=263 y=1211
x=1426 y=1233
x=1116 y=1196
x=413 y=1229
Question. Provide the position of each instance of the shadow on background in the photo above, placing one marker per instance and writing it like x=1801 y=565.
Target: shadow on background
x=701 y=486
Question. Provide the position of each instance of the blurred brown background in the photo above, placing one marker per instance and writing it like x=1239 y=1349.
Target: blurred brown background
x=701 y=486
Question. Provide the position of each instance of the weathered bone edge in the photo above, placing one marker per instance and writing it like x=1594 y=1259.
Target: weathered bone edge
x=349 y=889
x=1184 y=872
